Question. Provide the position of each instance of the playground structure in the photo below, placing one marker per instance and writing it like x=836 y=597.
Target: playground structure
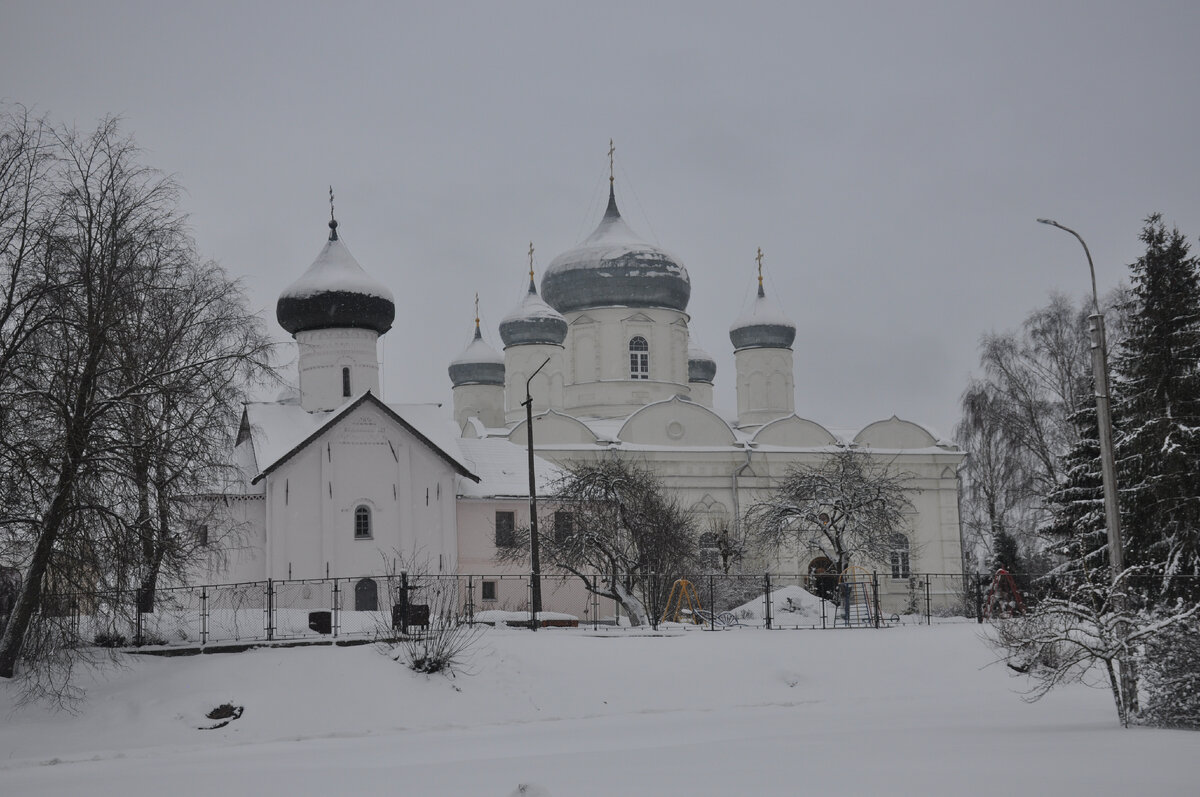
x=683 y=604
x=1003 y=598
x=856 y=610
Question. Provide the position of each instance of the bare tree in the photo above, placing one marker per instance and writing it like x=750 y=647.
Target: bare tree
x=117 y=366
x=627 y=539
x=849 y=508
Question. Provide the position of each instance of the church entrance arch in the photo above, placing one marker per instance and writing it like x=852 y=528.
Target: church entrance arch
x=822 y=579
x=366 y=596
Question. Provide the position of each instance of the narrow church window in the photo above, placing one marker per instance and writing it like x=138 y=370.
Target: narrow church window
x=506 y=529
x=489 y=590
x=639 y=358
x=900 y=549
x=362 y=523
x=564 y=526
x=346 y=382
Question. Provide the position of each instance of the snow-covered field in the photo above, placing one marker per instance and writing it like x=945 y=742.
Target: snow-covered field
x=910 y=710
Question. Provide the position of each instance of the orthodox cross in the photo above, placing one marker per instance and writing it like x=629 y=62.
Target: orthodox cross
x=758 y=258
x=331 y=203
x=611 y=150
x=531 y=261
x=476 y=310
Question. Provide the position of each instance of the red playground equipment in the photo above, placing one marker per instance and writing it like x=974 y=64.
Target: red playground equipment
x=1003 y=599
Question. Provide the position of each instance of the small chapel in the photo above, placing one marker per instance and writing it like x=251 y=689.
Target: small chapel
x=337 y=482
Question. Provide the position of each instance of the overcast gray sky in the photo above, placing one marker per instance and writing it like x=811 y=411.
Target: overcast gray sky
x=889 y=158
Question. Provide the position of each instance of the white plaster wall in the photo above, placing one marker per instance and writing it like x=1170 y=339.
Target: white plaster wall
x=364 y=460
x=546 y=388
x=701 y=393
x=597 y=351
x=323 y=353
x=765 y=385
x=485 y=402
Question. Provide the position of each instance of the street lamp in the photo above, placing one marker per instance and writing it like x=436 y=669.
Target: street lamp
x=535 y=582
x=1103 y=416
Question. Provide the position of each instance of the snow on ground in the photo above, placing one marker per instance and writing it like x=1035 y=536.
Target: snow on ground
x=571 y=713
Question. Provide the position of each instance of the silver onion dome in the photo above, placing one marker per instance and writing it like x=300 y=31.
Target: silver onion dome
x=762 y=326
x=533 y=321
x=479 y=364
x=701 y=365
x=615 y=268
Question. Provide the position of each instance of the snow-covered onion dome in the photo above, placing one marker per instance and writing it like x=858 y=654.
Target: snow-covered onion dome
x=615 y=268
x=763 y=326
x=533 y=321
x=479 y=364
x=701 y=365
x=335 y=293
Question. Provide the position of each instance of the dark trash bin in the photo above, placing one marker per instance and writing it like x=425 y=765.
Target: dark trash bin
x=321 y=622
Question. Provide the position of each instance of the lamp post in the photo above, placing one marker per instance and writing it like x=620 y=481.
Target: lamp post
x=535 y=581
x=1108 y=466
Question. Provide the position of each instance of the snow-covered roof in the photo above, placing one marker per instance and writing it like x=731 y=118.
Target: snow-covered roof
x=335 y=269
x=503 y=469
x=613 y=267
x=278 y=431
x=763 y=325
x=533 y=321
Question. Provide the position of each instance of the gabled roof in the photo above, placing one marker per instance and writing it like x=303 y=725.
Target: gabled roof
x=286 y=421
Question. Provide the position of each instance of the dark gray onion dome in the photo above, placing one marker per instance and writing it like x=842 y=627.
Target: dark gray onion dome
x=763 y=326
x=615 y=268
x=701 y=365
x=479 y=364
x=335 y=293
x=533 y=321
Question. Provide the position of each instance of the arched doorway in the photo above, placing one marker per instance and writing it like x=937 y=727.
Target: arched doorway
x=822 y=578
x=366 y=596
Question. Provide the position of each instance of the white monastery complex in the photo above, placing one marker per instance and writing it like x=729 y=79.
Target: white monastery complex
x=336 y=482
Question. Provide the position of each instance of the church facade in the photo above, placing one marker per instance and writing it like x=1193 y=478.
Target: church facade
x=336 y=482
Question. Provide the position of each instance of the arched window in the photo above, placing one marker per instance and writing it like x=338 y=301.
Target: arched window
x=900 y=549
x=366 y=596
x=362 y=522
x=639 y=358
x=346 y=382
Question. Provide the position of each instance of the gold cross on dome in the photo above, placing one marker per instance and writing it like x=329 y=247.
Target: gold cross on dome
x=331 y=203
x=477 y=310
x=611 y=150
x=758 y=258
x=531 y=260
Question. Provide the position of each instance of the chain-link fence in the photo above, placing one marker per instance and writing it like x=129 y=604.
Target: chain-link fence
x=382 y=606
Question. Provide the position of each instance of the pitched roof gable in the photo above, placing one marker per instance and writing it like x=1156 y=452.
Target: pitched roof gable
x=345 y=412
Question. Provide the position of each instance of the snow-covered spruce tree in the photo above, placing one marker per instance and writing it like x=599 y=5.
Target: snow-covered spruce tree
x=1171 y=677
x=628 y=539
x=1157 y=386
x=1077 y=533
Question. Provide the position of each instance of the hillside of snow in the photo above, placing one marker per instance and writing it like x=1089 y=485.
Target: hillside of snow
x=570 y=713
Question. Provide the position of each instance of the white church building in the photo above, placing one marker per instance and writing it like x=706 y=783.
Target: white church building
x=336 y=482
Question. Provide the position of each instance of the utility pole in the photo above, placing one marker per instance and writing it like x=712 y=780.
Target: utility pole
x=535 y=581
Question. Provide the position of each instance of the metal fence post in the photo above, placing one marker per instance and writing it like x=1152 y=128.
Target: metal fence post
x=875 y=589
x=928 y=603
x=270 y=609
x=596 y=606
x=653 y=607
x=979 y=598
x=767 y=598
x=335 y=608
x=712 y=606
x=471 y=601
x=533 y=618
x=203 y=616
x=137 y=613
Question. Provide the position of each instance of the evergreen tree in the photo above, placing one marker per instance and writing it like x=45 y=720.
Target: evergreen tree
x=1158 y=409
x=1077 y=532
